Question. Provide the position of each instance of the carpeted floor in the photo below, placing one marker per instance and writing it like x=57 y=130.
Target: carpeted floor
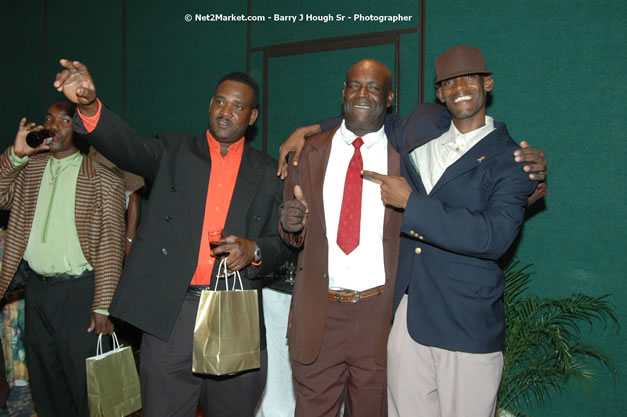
x=20 y=403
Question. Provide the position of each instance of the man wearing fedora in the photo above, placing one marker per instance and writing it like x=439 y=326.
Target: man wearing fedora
x=464 y=199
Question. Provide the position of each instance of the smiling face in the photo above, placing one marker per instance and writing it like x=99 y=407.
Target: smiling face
x=465 y=98
x=231 y=112
x=59 y=120
x=366 y=96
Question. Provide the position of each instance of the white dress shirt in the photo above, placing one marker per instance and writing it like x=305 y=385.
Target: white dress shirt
x=433 y=158
x=363 y=268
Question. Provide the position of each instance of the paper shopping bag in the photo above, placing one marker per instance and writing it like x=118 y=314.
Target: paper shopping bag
x=112 y=382
x=226 y=332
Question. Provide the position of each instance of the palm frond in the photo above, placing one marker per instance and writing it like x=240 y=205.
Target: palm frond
x=543 y=348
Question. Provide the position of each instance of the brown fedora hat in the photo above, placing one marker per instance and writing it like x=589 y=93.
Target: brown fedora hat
x=459 y=60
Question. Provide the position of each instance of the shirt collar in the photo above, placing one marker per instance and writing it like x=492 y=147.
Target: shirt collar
x=76 y=157
x=214 y=145
x=369 y=138
x=464 y=138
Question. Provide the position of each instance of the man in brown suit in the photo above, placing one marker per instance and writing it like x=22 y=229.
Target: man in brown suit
x=342 y=302
x=65 y=238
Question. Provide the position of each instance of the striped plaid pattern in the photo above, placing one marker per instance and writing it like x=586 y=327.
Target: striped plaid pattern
x=99 y=216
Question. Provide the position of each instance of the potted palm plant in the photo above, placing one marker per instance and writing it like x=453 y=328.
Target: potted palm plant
x=544 y=349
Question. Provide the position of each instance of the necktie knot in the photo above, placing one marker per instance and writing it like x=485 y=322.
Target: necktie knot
x=358 y=142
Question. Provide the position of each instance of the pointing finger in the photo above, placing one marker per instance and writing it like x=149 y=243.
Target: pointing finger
x=373 y=176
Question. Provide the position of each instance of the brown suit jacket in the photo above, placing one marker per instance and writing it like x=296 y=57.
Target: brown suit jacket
x=309 y=301
x=99 y=216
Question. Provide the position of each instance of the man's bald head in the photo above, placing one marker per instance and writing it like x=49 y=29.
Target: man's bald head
x=366 y=96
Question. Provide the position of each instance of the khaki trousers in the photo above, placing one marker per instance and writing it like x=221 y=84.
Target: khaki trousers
x=432 y=382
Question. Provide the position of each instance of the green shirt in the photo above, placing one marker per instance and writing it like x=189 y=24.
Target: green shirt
x=53 y=245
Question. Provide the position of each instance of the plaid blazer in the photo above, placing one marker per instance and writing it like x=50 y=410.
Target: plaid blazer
x=99 y=217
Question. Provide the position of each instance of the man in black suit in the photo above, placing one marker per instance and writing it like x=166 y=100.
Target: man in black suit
x=213 y=181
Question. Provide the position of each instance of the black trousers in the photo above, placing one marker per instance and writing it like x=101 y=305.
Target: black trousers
x=170 y=389
x=57 y=343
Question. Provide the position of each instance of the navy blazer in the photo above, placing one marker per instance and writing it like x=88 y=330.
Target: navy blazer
x=161 y=264
x=452 y=237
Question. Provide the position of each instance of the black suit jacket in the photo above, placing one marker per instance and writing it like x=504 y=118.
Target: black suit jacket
x=163 y=260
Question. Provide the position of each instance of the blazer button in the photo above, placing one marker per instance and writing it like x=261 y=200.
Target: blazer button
x=168 y=219
x=164 y=251
x=418 y=251
x=172 y=188
x=421 y=237
x=412 y=233
x=257 y=218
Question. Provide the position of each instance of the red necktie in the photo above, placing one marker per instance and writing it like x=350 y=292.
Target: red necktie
x=350 y=216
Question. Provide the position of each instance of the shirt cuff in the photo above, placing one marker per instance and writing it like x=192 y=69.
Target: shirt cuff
x=17 y=161
x=90 y=122
x=102 y=311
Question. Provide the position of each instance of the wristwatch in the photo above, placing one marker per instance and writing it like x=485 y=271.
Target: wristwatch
x=257 y=253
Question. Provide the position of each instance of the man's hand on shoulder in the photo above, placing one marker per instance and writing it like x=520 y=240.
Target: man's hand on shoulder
x=536 y=164
x=294 y=143
x=534 y=160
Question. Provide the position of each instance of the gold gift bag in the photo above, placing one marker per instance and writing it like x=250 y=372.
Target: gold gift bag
x=226 y=333
x=112 y=382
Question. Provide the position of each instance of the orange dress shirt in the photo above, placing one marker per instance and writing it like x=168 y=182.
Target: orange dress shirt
x=221 y=184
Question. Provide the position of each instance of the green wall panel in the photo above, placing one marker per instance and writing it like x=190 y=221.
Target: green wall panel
x=22 y=72
x=91 y=35
x=409 y=82
x=276 y=32
x=306 y=88
x=173 y=65
x=70 y=32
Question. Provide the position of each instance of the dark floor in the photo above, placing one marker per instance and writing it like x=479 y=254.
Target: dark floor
x=20 y=403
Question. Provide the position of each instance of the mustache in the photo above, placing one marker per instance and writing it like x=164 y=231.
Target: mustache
x=224 y=119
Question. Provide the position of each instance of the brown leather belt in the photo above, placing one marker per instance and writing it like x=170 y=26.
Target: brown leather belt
x=350 y=296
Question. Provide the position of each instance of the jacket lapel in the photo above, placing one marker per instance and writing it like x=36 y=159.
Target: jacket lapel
x=412 y=174
x=391 y=221
x=318 y=160
x=249 y=177
x=477 y=155
x=196 y=180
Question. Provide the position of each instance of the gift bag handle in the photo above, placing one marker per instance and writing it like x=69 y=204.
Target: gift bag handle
x=116 y=344
x=223 y=267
